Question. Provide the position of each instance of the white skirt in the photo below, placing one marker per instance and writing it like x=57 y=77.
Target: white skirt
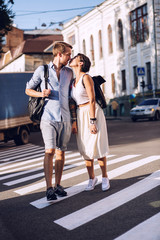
x=92 y=146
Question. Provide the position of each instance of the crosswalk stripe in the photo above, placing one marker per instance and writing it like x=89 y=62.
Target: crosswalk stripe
x=27 y=155
x=37 y=186
x=20 y=164
x=70 y=161
x=18 y=151
x=32 y=170
x=37 y=175
x=107 y=204
x=148 y=230
x=18 y=170
x=27 y=171
x=11 y=164
x=42 y=203
x=22 y=173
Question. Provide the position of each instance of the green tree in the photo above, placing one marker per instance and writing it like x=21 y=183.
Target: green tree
x=6 y=19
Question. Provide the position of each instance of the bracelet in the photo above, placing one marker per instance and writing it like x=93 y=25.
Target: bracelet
x=94 y=119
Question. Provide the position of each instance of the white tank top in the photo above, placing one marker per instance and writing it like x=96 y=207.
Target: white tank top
x=79 y=93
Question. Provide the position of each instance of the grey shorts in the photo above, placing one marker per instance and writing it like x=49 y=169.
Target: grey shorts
x=56 y=134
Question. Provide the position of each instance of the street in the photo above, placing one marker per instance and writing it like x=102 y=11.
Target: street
x=130 y=209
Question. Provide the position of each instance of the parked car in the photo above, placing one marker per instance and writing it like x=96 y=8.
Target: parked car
x=149 y=108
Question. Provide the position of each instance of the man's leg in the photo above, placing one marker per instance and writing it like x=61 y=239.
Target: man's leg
x=59 y=164
x=48 y=166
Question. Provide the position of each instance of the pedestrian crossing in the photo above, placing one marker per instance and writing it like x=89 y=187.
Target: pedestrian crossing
x=22 y=166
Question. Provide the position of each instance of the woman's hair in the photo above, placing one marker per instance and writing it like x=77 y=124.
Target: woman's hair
x=86 y=62
x=60 y=47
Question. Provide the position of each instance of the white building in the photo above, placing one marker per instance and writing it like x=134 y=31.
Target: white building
x=119 y=36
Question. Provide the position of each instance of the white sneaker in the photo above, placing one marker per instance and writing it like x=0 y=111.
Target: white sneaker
x=91 y=184
x=105 y=184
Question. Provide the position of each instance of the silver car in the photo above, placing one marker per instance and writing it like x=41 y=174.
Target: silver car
x=149 y=108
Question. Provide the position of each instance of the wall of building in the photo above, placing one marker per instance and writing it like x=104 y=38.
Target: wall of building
x=18 y=65
x=111 y=65
x=32 y=61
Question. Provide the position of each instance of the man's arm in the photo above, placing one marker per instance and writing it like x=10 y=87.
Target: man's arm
x=34 y=82
x=33 y=93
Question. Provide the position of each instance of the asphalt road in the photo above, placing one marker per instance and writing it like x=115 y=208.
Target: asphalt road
x=130 y=209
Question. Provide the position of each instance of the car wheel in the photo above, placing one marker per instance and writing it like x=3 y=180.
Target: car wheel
x=156 y=116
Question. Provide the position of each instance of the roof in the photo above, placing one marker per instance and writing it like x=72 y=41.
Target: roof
x=43 y=32
x=37 y=45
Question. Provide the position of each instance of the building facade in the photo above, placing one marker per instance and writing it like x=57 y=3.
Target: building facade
x=30 y=53
x=122 y=39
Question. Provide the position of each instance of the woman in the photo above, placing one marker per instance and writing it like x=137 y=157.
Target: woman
x=90 y=125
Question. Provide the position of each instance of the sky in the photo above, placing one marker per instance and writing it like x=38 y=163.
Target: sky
x=28 y=16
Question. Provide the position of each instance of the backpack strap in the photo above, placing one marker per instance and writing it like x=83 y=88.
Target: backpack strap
x=46 y=75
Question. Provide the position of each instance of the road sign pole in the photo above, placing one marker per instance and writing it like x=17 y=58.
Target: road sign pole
x=143 y=88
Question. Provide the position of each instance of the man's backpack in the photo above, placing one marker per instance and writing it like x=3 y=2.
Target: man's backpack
x=36 y=104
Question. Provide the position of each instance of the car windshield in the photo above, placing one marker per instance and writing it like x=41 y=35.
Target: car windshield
x=149 y=102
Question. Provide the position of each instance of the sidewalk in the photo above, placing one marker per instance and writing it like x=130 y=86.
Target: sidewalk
x=118 y=118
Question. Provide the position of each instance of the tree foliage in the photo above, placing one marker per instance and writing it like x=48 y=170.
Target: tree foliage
x=6 y=19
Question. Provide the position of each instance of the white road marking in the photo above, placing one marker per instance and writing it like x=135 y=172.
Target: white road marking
x=28 y=154
x=42 y=203
x=147 y=230
x=17 y=151
x=109 y=203
x=20 y=164
x=37 y=186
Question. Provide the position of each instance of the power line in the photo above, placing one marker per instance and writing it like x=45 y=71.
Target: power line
x=59 y=10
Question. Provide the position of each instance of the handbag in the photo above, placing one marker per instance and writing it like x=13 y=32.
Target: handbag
x=36 y=104
x=99 y=95
x=100 y=98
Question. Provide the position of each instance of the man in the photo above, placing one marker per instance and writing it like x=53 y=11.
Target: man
x=55 y=121
x=114 y=107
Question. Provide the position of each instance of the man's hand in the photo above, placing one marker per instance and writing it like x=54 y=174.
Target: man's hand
x=46 y=92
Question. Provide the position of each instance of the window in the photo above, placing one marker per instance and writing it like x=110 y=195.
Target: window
x=71 y=39
x=123 y=74
x=113 y=82
x=84 y=47
x=120 y=35
x=148 y=73
x=100 y=44
x=92 y=49
x=135 y=76
x=139 y=25
x=110 y=47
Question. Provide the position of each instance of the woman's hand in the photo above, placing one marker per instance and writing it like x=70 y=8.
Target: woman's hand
x=93 y=128
x=46 y=92
x=74 y=127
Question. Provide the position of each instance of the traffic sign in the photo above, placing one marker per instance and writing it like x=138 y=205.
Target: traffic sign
x=140 y=71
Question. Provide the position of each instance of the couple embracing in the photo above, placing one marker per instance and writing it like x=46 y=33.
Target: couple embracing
x=88 y=120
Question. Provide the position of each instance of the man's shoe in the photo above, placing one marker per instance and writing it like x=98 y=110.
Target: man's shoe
x=60 y=191
x=105 y=184
x=91 y=184
x=50 y=194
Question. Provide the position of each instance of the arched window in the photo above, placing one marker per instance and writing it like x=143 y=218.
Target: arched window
x=92 y=49
x=100 y=44
x=110 y=45
x=84 y=47
x=120 y=35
